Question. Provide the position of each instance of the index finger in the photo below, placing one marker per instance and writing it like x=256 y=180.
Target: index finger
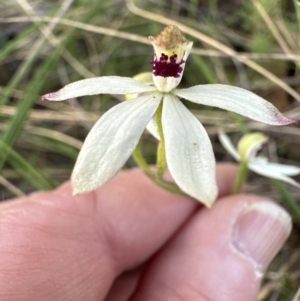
x=59 y=247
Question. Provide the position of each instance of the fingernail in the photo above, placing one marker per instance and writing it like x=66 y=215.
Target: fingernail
x=260 y=231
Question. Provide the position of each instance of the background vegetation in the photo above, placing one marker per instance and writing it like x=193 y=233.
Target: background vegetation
x=47 y=44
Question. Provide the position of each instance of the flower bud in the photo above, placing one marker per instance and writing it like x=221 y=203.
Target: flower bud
x=250 y=144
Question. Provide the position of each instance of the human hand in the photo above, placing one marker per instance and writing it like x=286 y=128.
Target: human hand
x=54 y=246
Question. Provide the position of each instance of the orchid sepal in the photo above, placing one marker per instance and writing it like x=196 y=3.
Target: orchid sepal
x=237 y=100
x=119 y=128
x=99 y=85
x=189 y=153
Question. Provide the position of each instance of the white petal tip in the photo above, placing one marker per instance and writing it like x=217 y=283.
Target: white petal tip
x=76 y=191
x=50 y=96
x=79 y=188
x=209 y=200
x=208 y=204
x=282 y=120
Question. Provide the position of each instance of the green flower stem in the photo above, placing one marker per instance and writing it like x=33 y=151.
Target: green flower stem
x=142 y=163
x=241 y=177
x=289 y=200
x=169 y=186
x=161 y=160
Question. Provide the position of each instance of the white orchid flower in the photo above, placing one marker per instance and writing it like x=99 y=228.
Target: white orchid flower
x=246 y=152
x=189 y=153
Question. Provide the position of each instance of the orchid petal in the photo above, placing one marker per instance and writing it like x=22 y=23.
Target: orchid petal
x=189 y=152
x=111 y=141
x=235 y=99
x=153 y=129
x=99 y=85
x=270 y=170
x=288 y=170
x=227 y=144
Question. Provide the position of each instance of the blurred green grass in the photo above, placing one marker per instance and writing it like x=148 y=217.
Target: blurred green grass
x=40 y=140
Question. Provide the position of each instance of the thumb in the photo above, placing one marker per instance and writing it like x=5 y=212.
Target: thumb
x=220 y=254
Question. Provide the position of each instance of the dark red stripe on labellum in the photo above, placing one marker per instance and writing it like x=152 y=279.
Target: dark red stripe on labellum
x=167 y=68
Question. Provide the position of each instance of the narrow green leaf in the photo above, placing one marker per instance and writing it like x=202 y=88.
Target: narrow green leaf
x=25 y=169
x=16 y=123
x=12 y=45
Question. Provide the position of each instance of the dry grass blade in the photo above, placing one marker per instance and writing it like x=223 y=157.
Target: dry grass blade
x=55 y=135
x=47 y=33
x=273 y=29
x=297 y=296
x=142 y=40
x=11 y=187
x=83 y=26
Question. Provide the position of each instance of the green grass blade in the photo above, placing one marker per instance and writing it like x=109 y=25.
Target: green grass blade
x=16 y=123
x=289 y=200
x=11 y=46
x=25 y=169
